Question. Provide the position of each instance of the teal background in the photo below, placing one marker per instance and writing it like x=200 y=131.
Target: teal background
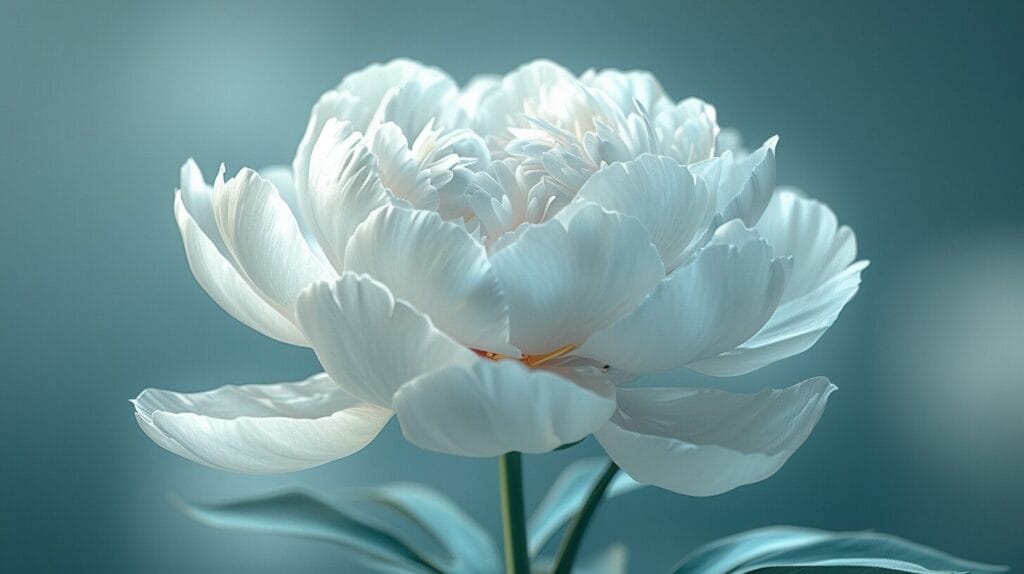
x=906 y=117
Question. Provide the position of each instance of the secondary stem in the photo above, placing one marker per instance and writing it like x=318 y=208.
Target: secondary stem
x=513 y=517
x=574 y=534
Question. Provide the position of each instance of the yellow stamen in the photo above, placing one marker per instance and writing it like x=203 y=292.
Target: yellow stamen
x=530 y=360
x=537 y=360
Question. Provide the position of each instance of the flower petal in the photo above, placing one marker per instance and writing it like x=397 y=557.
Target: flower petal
x=541 y=89
x=703 y=442
x=743 y=183
x=261 y=429
x=219 y=278
x=263 y=236
x=357 y=101
x=369 y=342
x=402 y=90
x=440 y=269
x=474 y=92
x=344 y=187
x=673 y=206
x=629 y=88
x=688 y=130
x=399 y=171
x=823 y=280
x=213 y=264
x=418 y=102
x=709 y=306
x=808 y=231
x=196 y=198
x=494 y=407
x=565 y=280
x=331 y=105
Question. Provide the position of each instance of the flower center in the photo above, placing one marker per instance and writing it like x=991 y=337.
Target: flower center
x=530 y=360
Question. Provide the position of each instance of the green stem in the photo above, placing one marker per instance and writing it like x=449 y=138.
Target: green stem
x=574 y=534
x=513 y=516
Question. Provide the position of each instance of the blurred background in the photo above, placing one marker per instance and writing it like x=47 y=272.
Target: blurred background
x=905 y=117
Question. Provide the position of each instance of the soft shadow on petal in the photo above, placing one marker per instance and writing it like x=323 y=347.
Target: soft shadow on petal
x=629 y=88
x=403 y=91
x=283 y=179
x=437 y=267
x=196 y=198
x=262 y=234
x=538 y=88
x=344 y=188
x=563 y=281
x=823 y=280
x=809 y=231
x=703 y=442
x=688 y=130
x=743 y=183
x=261 y=429
x=475 y=91
x=331 y=105
x=370 y=342
x=400 y=170
x=714 y=303
x=673 y=206
x=494 y=407
x=218 y=276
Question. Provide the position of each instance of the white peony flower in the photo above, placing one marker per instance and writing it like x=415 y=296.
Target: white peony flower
x=495 y=265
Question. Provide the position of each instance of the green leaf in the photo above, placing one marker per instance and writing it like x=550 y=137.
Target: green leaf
x=302 y=515
x=470 y=548
x=365 y=525
x=788 y=550
x=566 y=497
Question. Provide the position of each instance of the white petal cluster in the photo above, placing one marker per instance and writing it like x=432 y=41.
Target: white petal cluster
x=495 y=265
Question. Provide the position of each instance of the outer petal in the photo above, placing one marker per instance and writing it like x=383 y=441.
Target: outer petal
x=629 y=88
x=344 y=187
x=418 y=102
x=358 y=99
x=214 y=266
x=261 y=428
x=496 y=407
x=823 y=280
x=744 y=184
x=674 y=206
x=283 y=179
x=221 y=280
x=563 y=281
x=402 y=91
x=262 y=234
x=196 y=198
x=369 y=342
x=808 y=231
x=331 y=105
x=440 y=269
x=703 y=442
x=716 y=302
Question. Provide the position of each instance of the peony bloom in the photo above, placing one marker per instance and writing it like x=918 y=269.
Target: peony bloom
x=496 y=265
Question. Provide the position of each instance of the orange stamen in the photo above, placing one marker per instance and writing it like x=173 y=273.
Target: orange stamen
x=529 y=360
x=537 y=360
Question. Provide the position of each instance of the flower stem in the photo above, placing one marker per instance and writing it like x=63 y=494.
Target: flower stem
x=513 y=516
x=574 y=534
